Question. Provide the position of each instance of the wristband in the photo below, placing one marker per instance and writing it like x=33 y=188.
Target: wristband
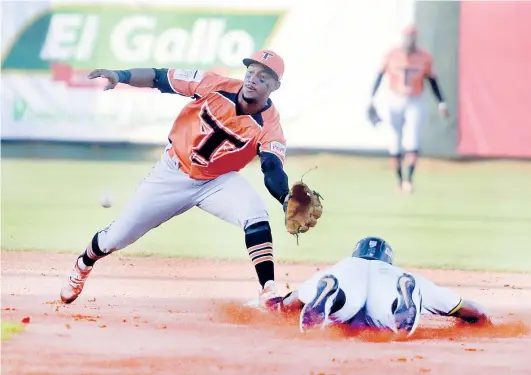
x=124 y=76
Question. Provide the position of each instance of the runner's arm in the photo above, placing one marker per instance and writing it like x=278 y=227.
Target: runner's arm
x=471 y=312
x=443 y=301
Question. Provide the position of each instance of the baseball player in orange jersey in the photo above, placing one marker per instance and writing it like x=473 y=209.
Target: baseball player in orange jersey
x=407 y=67
x=218 y=133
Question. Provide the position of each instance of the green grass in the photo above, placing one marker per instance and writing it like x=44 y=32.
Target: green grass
x=9 y=329
x=463 y=215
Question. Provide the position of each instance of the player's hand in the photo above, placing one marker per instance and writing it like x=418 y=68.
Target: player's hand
x=373 y=116
x=110 y=75
x=443 y=110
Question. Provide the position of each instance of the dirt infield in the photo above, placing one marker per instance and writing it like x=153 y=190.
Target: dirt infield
x=175 y=316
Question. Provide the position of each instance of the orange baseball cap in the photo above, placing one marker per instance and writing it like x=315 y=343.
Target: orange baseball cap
x=269 y=59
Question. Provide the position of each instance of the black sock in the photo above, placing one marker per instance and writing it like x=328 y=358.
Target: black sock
x=93 y=252
x=399 y=174
x=259 y=242
x=411 y=170
x=398 y=159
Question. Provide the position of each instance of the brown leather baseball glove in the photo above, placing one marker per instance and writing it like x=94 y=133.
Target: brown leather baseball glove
x=303 y=208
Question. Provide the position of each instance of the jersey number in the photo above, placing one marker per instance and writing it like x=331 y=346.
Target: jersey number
x=218 y=140
x=409 y=74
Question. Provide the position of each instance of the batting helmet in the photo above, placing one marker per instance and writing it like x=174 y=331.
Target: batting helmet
x=373 y=248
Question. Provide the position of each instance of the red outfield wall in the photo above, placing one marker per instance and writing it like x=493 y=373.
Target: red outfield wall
x=495 y=79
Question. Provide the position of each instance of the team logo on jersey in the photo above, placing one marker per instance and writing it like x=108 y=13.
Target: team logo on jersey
x=267 y=55
x=278 y=148
x=217 y=139
x=188 y=75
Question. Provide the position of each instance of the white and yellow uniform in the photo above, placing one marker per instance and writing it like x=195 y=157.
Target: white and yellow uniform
x=371 y=295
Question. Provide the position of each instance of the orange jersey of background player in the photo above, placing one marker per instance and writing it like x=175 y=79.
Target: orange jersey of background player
x=209 y=137
x=407 y=71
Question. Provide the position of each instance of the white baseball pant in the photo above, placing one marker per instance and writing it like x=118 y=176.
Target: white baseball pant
x=167 y=192
x=370 y=288
x=406 y=119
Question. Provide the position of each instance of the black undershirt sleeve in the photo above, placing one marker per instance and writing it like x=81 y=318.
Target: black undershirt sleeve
x=161 y=81
x=436 y=90
x=275 y=179
x=377 y=83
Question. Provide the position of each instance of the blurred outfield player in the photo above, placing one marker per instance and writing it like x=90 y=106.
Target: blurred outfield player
x=367 y=290
x=407 y=67
x=218 y=133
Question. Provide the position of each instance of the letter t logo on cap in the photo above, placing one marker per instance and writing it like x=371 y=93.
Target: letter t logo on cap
x=266 y=55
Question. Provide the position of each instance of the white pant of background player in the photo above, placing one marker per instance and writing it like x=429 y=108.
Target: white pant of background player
x=371 y=293
x=167 y=192
x=406 y=116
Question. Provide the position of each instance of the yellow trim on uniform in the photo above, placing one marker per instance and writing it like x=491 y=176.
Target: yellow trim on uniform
x=457 y=308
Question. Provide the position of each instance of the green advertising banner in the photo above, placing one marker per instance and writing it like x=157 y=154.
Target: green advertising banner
x=121 y=37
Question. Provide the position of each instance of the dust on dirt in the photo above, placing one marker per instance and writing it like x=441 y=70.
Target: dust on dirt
x=185 y=316
x=444 y=329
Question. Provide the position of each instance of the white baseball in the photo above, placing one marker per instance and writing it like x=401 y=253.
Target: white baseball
x=106 y=201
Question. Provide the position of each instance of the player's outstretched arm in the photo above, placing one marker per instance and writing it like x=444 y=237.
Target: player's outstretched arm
x=275 y=179
x=443 y=301
x=139 y=77
x=185 y=82
x=471 y=312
